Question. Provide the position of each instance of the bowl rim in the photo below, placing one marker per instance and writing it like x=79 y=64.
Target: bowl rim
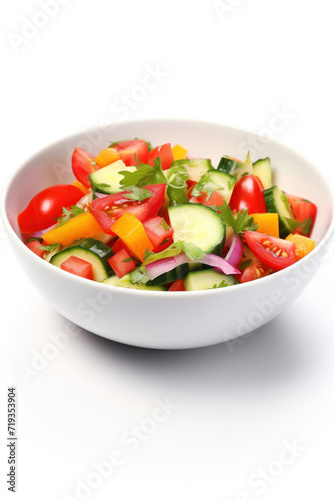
x=99 y=286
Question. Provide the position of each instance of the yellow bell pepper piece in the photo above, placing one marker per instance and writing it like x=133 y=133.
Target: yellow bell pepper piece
x=132 y=232
x=268 y=224
x=303 y=245
x=81 y=186
x=82 y=226
x=179 y=152
x=107 y=156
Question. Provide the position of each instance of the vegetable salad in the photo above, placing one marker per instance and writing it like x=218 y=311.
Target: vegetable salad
x=158 y=219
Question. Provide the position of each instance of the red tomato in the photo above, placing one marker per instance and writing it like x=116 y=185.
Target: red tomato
x=82 y=166
x=160 y=236
x=35 y=246
x=248 y=194
x=129 y=150
x=119 y=264
x=177 y=286
x=110 y=208
x=273 y=252
x=77 y=266
x=117 y=245
x=251 y=267
x=46 y=206
x=305 y=211
x=165 y=154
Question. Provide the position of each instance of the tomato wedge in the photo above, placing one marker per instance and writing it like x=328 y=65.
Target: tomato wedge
x=248 y=194
x=108 y=209
x=251 y=267
x=46 y=206
x=129 y=150
x=273 y=252
x=165 y=154
x=305 y=211
x=83 y=164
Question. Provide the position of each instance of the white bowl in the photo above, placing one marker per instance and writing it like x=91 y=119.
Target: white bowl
x=157 y=319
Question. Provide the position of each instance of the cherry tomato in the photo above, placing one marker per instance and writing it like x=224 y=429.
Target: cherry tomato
x=273 y=252
x=248 y=194
x=83 y=164
x=165 y=154
x=177 y=286
x=46 y=206
x=305 y=211
x=110 y=208
x=129 y=150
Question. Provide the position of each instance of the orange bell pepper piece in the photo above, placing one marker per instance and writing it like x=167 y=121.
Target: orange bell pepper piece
x=132 y=232
x=82 y=226
x=268 y=224
x=107 y=156
x=179 y=152
x=80 y=186
x=303 y=245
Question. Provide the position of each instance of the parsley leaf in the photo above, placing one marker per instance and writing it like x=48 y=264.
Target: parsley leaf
x=40 y=240
x=306 y=226
x=205 y=186
x=222 y=284
x=139 y=275
x=292 y=223
x=129 y=259
x=76 y=211
x=49 y=248
x=171 y=251
x=68 y=214
x=245 y=264
x=242 y=222
x=192 y=251
x=138 y=194
x=175 y=180
x=164 y=242
x=92 y=162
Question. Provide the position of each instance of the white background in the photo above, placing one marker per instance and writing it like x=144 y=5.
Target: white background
x=235 y=411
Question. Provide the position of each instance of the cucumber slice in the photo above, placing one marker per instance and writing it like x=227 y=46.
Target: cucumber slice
x=93 y=251
x=277 y=202
x=195 y=168
x=175 y=274
x=227 y=165
x=207 y=279
x=198 y=224
x=245 y=168
x=262 y=169
x=214 y=180
x=107 y=179
x=125 y=283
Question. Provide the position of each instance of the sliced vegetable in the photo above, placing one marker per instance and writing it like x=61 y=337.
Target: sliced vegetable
x=197 y=224
x=195 y=167
x=36 y=247
x=81 y=226
x=107 y=179
x=83 y=188
x=83 y=164
x=125 y=283
x=122 y=263
x=177 y=286
x=273 y=252
x=234 y=254
x=268 y=223
x=251 y=267
x=106 y=157
x=303 y=245
x=262 y=170
x=179 y=153
x=165 y=154
x=277 y=202
x=159 y=233
x=305 y=212
x=132 y=233
x=207 y=279
x=110 y=208
x=93 y=251
x=77 y=266
x=130 y=152
x=215 y=181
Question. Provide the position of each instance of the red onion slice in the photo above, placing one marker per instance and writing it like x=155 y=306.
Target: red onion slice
x=234 y=254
